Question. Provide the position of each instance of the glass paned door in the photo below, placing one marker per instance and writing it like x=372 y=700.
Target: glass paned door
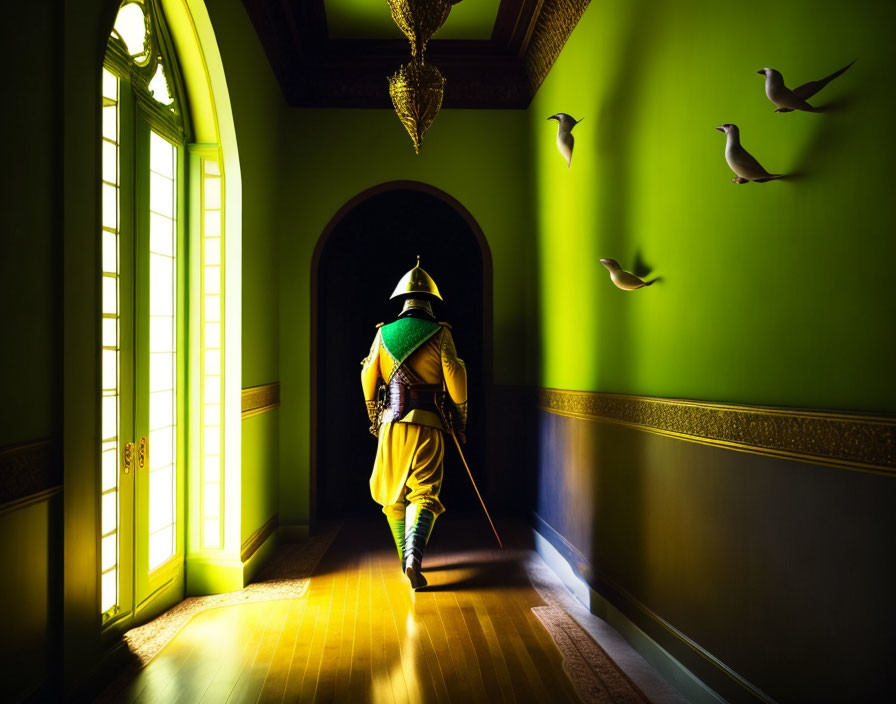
x=158 y=555
x=142 y=334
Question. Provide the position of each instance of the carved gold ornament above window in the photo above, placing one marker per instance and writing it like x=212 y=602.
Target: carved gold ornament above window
x=417 y=89
x=140 y=48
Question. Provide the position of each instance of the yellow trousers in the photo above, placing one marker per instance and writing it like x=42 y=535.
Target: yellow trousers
x=408 y=468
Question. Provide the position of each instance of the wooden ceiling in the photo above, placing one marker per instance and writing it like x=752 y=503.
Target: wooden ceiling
x=504 y=71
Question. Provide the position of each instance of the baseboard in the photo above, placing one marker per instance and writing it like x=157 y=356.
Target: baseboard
x=675 y=673
x=258 y=558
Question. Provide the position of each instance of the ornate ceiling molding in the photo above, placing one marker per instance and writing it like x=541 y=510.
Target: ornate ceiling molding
x=502 y=72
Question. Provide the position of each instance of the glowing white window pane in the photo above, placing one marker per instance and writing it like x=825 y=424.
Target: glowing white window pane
x=161 y=155
x=213 y=279
x=211 y=532
x=212 y=193
x=161 y=285
x=109 y=551
x=110 y=162
x=110 y=294
x=212 y=252
x=213 y=334
x=161 y=498
x=161 y=371
x=161 y=194
x=212 y=414
x=110 y=85
x=161 y=409
x=110 y=467
x=162 y=448
x=110 y=512
x=110 y=206
x=110 y=370
x=212 y=439
x=161 y=334
x=110 y=417
x=211 y=168
x=110 y=122
x=212 y=468
x=161 y=234
x=212 y=225
x=110 y=332
x=131 y=27
x=213 y=309
x=212 y=389
x=212 y=508
x=110 y=252
x=213 y=362
x=161 y=546
x=109 y=590
x=158 y=87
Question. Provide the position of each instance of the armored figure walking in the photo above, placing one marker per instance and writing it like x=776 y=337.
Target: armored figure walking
x=415 y=387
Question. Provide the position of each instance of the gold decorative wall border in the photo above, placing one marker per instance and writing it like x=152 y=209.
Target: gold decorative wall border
x=260 y=399
x=28 y=469
x=851 y=441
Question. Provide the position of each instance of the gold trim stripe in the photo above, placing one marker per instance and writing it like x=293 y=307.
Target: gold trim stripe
x=851 y=441
x=260 y=399
x=256 y=540
x=29 y=468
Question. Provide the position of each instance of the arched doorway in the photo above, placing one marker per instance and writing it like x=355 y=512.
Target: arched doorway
x=365 y=249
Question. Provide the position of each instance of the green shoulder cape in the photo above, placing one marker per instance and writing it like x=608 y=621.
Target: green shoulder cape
x=402 y=337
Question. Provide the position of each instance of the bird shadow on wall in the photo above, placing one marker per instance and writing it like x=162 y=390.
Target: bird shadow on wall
x=642 y=269
x=819 y=152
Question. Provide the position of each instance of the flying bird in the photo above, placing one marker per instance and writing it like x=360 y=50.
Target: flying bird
x=787 y=100
x=565 y=140
x=741 y=161
x=624 y=279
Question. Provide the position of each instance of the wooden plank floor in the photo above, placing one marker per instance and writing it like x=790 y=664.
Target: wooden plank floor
x=360 y=635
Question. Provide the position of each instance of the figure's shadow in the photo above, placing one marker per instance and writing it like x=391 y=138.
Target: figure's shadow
x=479 y=575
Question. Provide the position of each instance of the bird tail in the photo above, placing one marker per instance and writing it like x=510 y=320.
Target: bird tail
x=653 y=281
x=770 y=177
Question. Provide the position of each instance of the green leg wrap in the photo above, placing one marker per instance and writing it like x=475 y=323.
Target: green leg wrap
x=418 y=528
x=396 y=525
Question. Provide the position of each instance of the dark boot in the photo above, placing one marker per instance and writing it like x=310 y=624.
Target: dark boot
x=418 y=527
x=396 y=525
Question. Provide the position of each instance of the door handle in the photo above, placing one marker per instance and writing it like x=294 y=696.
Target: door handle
x=128 y=458
x=142 y=452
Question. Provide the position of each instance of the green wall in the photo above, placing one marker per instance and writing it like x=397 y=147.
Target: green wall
x=774 y=293
x=257 y=107
x=330 y=156
x=29 y=267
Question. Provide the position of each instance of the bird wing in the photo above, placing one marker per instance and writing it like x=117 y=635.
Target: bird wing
x=747 y=163
x=807 y=90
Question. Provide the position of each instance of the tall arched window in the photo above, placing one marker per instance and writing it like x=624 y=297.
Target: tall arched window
x=161 y=362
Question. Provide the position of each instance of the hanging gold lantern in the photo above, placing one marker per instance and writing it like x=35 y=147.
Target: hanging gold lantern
x=417 y=89
x=419 y=19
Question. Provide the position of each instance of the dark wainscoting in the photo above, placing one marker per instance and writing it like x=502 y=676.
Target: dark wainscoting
x=769 y=578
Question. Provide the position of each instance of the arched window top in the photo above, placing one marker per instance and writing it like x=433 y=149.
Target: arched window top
x=140 y=49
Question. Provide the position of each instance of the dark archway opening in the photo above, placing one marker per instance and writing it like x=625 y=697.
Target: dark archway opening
x=363 y=253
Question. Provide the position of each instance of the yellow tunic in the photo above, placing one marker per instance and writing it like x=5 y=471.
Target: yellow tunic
x=409 y=455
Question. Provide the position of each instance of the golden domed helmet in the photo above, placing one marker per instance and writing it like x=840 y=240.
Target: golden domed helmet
x=416 y=287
